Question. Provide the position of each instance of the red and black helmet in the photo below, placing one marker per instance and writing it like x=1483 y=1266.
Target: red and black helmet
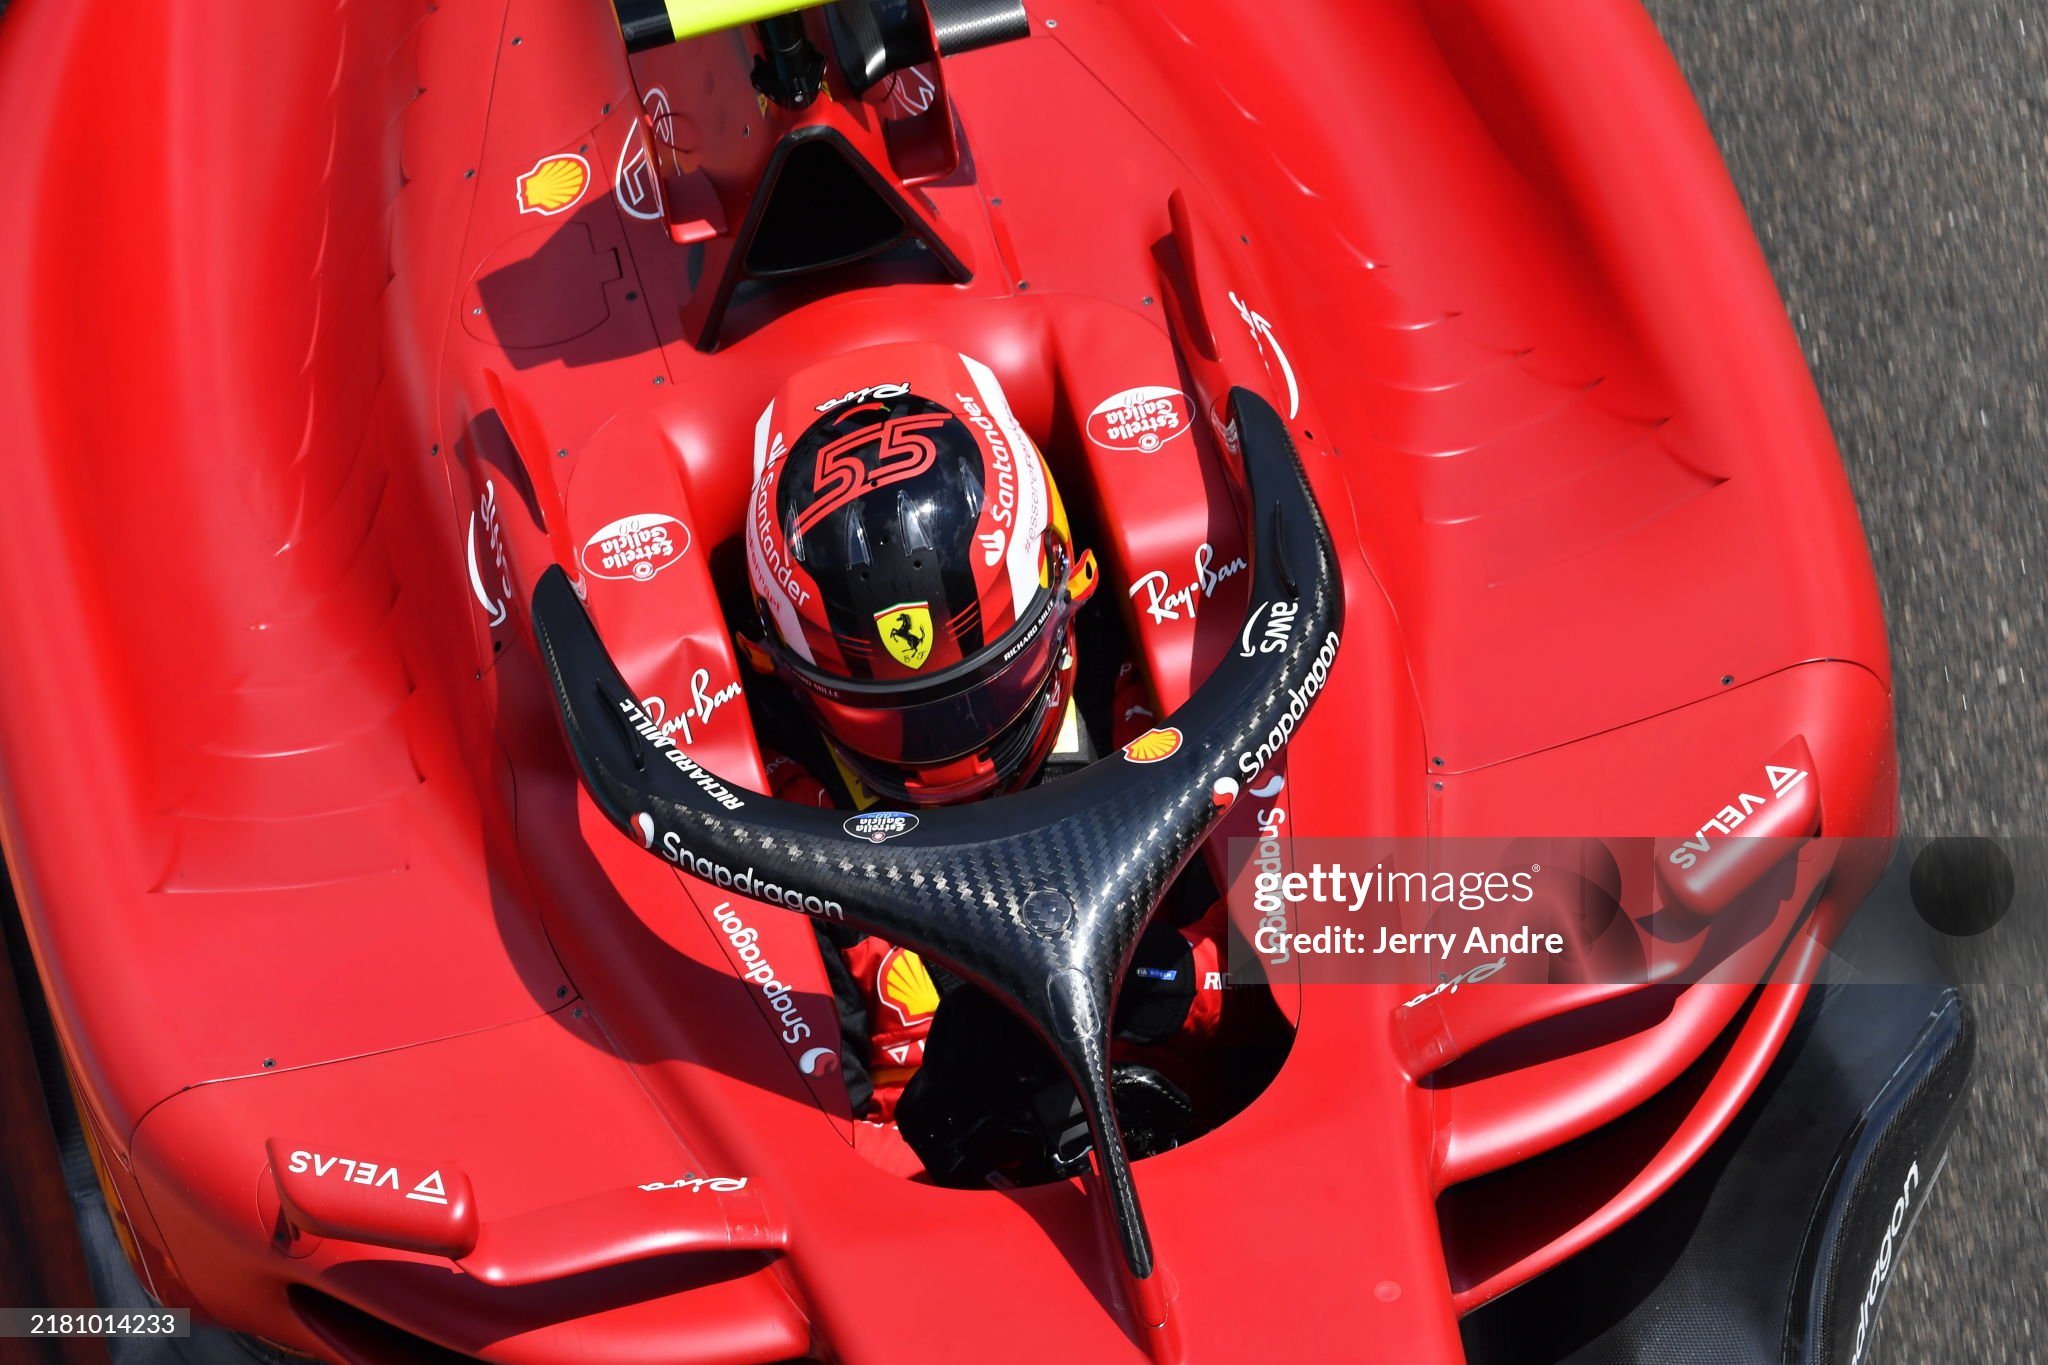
x=912 y=565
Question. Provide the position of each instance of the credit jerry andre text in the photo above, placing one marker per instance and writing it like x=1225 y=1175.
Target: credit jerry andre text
x=1441 y=913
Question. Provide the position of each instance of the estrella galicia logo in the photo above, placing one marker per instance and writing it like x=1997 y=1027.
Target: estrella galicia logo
x=880 y=826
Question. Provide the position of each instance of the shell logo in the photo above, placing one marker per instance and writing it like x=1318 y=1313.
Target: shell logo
x=1154 y=745
x=554 y=184
x=907 y=986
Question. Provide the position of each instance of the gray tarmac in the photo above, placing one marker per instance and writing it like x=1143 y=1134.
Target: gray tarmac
x=1894 y=158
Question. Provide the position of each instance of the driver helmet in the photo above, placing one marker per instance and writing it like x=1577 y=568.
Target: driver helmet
x=913 y=570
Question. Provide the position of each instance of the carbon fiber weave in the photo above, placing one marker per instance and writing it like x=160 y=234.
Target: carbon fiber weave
x=964 y=25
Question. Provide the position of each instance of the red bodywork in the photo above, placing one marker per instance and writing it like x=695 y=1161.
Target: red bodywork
x=304 y=388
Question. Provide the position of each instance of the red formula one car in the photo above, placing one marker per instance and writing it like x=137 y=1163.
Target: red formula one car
x=383 y=780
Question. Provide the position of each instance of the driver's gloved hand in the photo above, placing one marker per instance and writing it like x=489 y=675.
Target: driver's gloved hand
x=991 y=1106
x=1159 y=988
x=969 y=1112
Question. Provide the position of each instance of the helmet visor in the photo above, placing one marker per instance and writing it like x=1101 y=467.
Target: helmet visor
x=956 y=712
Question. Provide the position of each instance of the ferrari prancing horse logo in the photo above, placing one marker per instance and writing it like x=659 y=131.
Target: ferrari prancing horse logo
x=906 y=631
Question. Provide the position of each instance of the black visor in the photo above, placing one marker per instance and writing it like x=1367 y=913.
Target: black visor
x=934 y=720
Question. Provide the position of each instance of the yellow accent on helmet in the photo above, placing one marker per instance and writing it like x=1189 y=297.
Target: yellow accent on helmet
x=1055 y=516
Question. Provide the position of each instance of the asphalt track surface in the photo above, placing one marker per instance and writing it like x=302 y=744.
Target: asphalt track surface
x=1894 y=157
